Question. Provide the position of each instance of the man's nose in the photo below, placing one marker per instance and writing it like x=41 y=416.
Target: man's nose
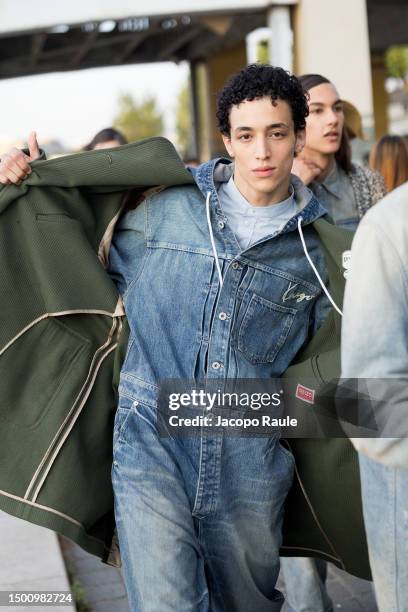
x=262 y=149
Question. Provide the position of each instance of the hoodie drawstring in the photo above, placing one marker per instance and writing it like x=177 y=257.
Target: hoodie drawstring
x=214 y=248
x=323 y=286
x=299 y=226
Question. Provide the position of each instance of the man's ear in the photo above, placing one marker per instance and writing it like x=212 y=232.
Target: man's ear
x=227 y=144
x=300 y=141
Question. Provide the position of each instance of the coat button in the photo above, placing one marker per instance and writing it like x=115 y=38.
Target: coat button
x=216 y=365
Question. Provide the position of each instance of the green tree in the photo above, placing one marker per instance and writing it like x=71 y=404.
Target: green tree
x=183 y=119
x=396 y=61
x=262 y=52
x=138 y=120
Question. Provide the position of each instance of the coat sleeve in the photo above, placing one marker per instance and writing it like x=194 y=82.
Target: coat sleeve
x=375 y=339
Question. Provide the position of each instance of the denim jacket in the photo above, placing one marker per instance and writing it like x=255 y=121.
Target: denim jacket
x=167 y=257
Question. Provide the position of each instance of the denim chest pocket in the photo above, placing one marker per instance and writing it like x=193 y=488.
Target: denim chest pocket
x=264 y=329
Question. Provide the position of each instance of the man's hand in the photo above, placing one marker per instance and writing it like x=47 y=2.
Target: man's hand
x=305 y=169
x=15 y=165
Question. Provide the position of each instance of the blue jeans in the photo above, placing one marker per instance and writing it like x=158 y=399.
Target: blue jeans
x=305 y=582
x=199 y=518
x=385 y=507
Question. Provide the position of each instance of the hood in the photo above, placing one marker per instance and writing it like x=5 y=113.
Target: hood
x=210 y=175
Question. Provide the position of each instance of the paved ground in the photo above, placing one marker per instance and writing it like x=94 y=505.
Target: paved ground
x=30 y=560
x=103 y=585
x=105 y=591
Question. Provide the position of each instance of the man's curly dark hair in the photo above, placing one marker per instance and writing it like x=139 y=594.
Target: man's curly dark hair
x=258 y=81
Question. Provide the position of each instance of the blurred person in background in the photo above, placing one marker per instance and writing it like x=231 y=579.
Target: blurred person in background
x=106 y=139
x=345 y=189
x=389 y=156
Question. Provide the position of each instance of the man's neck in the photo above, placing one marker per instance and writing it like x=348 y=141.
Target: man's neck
x=325 y=162
x=256 y=198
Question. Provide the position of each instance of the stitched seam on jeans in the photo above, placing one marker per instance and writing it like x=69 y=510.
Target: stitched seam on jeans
x=199 y=489
x=140 y=415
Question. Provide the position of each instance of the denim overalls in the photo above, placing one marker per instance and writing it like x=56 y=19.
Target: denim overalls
x=199 y=517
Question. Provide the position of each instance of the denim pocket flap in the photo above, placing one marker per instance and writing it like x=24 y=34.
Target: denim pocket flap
x=264 y=329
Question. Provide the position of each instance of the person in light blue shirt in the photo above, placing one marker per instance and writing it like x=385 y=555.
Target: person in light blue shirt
x=375 y=346
x=251 y=223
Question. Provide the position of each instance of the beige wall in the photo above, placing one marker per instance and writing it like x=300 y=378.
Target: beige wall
x=331 y=38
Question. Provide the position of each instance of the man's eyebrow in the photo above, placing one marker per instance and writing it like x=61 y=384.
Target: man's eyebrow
x=243 y=128
x=322 y=104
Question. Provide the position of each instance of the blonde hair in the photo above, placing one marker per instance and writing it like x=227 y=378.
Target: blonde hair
x=389 y=156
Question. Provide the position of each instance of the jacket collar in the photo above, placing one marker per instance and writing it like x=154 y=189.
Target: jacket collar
x=209 y=175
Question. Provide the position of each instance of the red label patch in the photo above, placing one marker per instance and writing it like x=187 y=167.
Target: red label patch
x=305 y=394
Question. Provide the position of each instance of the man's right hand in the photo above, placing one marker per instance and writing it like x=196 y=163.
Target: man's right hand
x=15 y=164
x=305 y=169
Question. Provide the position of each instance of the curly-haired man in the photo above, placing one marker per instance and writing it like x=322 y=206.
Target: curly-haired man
x=216 y=287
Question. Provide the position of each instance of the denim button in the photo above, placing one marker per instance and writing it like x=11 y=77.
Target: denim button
x=135 y=403
x=236 y=265
x=215 y=365
x=221 y=224
x=223 y=316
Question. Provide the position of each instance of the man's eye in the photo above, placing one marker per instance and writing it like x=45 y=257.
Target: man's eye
x=338 y=108
x=317 y=111
x=245 y=137
x=276 y=135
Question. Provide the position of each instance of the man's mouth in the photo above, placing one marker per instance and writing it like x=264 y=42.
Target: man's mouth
x=264 y=171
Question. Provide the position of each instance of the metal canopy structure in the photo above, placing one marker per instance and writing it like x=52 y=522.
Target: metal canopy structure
x=129 y=40
x=387 y=23
x=100 y=33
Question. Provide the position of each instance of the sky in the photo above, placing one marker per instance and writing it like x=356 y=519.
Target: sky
x=73 y=106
